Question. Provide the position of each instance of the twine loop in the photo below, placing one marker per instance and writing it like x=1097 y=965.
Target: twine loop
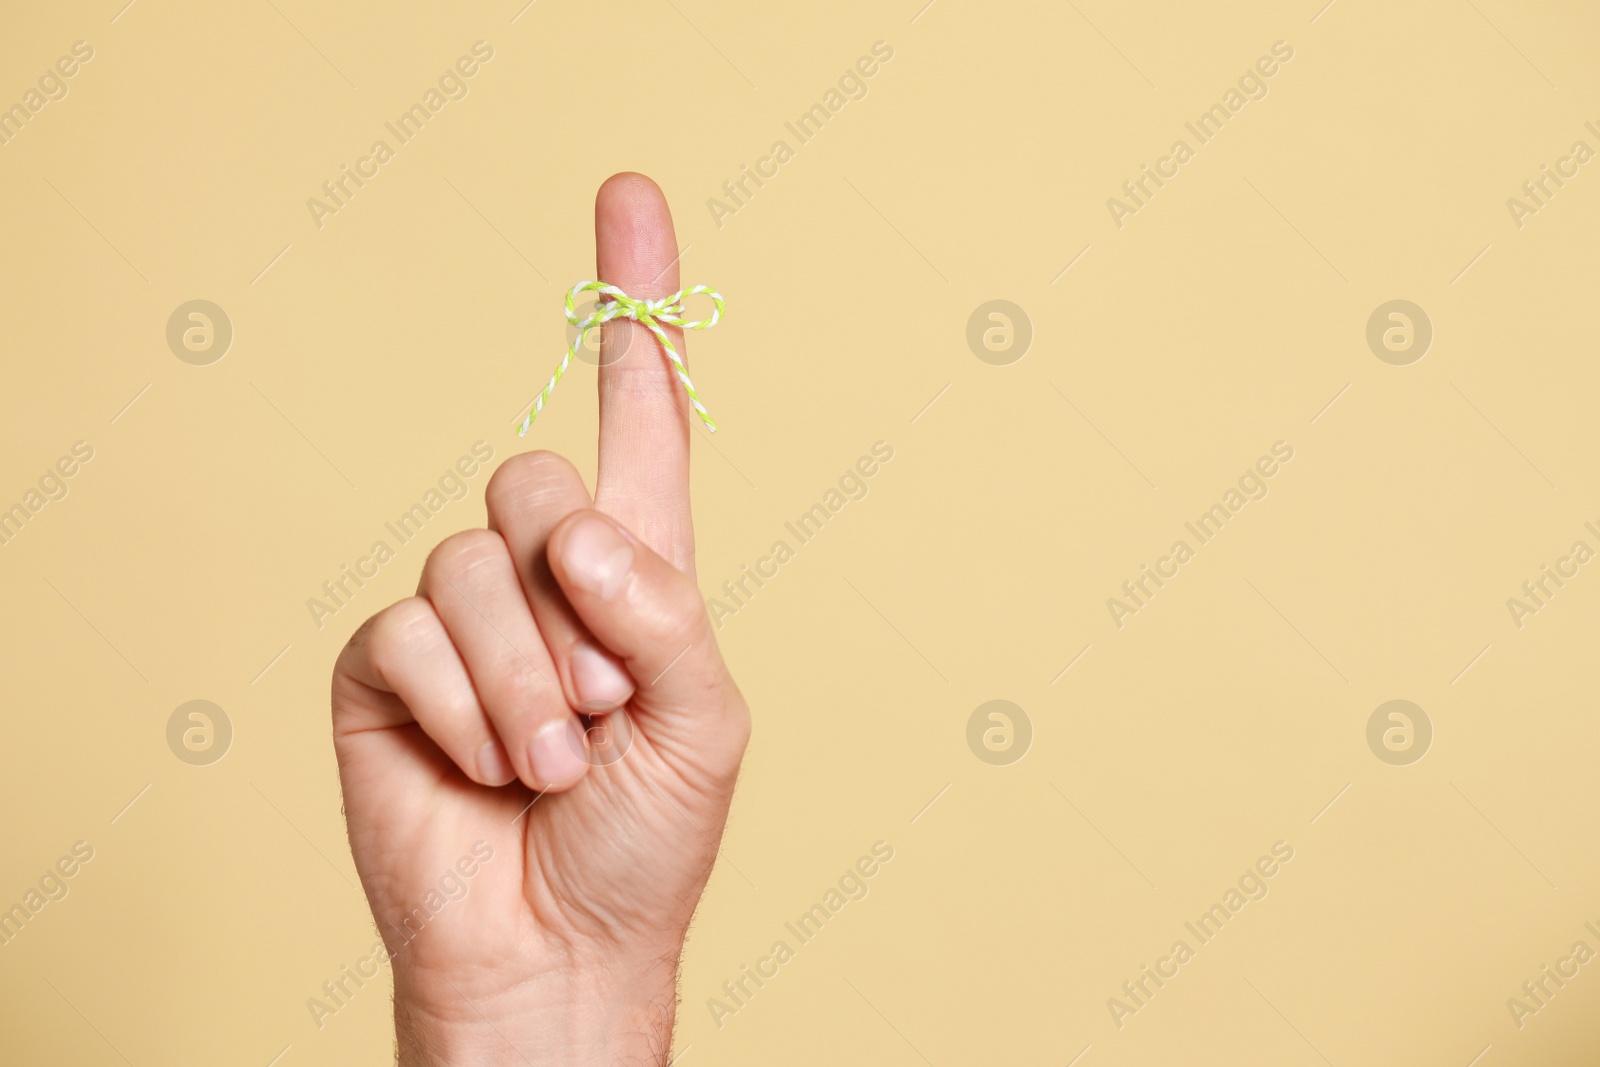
x=651 y=314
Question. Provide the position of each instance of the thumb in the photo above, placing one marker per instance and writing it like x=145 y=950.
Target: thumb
x=651 y=616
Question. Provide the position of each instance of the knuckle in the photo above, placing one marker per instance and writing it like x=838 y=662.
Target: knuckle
x=517 y=680
x=642 y=376
x=462 y=553
x=456 y=710
x=529 y=481
x=400 y=632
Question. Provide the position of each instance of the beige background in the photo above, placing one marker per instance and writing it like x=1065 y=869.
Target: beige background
x=1224 y=316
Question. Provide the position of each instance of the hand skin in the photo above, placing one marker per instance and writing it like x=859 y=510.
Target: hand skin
x=453 y=712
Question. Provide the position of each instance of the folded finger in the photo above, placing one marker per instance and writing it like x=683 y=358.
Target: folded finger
x=405 y=651
x=472 y=584
x=527 y=496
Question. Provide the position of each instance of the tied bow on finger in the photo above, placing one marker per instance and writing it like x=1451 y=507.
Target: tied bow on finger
x=652 y=315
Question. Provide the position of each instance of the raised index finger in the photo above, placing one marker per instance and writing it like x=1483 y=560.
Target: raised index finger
x=644 y=413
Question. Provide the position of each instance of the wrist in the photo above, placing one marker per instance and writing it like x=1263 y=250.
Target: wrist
x=560 y=1019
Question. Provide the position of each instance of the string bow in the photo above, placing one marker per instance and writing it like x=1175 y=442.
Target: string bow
x=651 y=314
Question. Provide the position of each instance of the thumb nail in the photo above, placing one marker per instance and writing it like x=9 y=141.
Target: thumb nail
x=597 y=557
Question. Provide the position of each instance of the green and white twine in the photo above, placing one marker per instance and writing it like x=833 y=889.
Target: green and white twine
x=651 y=314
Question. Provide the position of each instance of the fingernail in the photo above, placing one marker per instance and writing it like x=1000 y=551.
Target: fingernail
x=599 y=680
x=555 y=752
x=494 y=766
x=597 y=557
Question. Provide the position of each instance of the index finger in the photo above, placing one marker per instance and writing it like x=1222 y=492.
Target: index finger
x=643 y=475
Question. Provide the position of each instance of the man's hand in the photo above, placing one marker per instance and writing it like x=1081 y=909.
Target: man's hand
x=461 y=747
